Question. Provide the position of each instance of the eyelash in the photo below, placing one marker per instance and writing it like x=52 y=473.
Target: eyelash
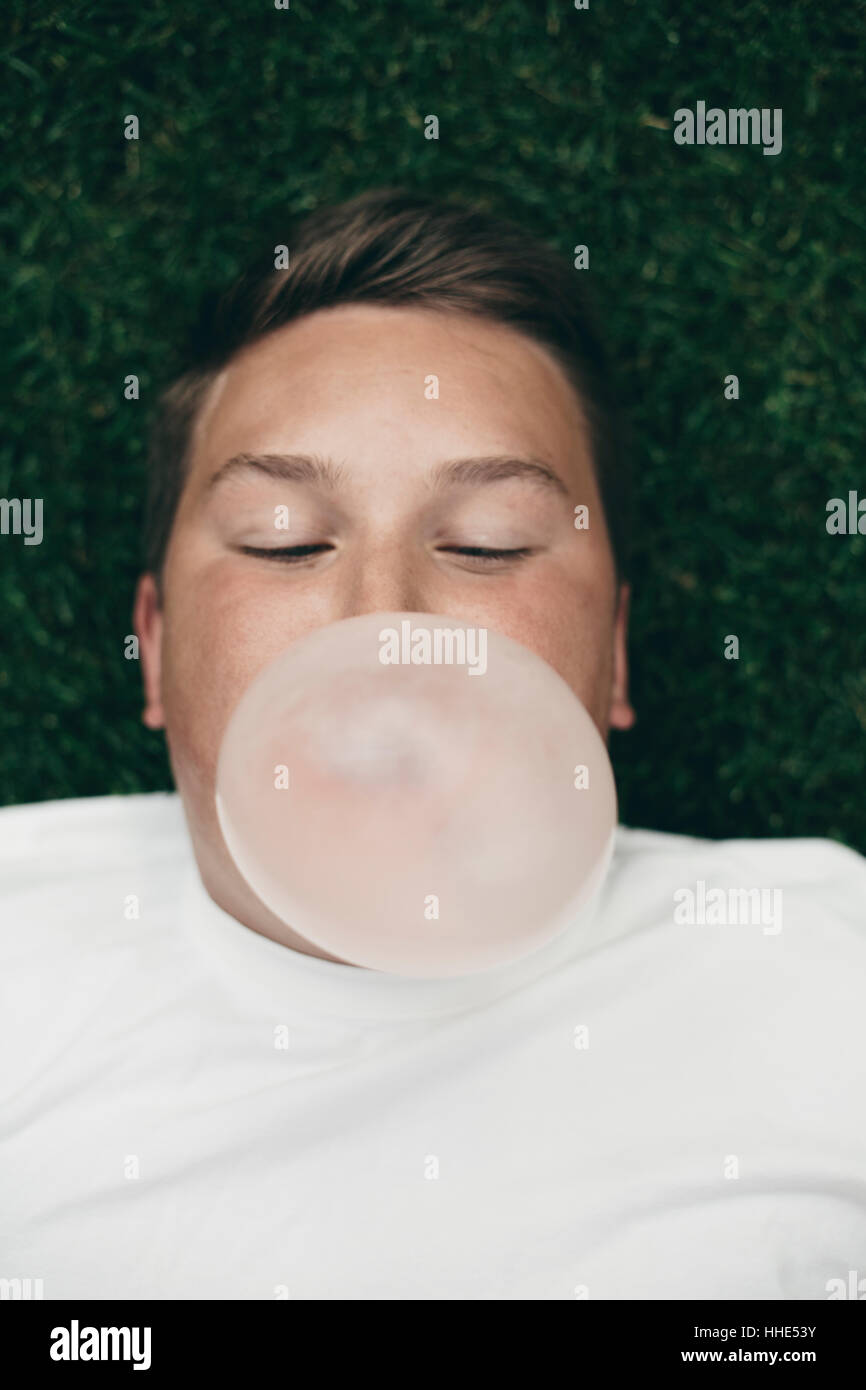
x=294 y=553
x=480 y=552
x=285 y=553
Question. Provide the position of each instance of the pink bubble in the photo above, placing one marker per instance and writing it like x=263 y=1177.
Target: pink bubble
x=418 y=817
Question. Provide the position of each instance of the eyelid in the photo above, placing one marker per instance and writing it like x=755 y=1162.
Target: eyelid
x=481 y=554
x=487 y=554
x=296 y=552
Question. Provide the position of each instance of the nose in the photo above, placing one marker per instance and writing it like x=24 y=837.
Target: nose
x=383 y=578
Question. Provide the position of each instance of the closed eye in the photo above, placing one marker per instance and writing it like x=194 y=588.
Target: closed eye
x=286 y=553
x=290 y=553
x=484 y=554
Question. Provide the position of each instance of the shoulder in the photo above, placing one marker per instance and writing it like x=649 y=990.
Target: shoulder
x=70 y=869
x=88 y=926
x=733 y=974
x=87 y=825
x=807 y=867
x=759 y=930
x=793 y=907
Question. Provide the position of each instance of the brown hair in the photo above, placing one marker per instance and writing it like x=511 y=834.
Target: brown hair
x=396 y=247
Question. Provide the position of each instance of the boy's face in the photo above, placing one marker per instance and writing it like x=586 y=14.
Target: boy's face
x=388 y=514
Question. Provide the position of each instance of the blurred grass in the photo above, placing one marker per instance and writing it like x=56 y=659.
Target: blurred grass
x=707 y=261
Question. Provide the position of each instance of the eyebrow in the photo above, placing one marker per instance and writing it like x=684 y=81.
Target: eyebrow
x=465 y=472
x=495 y=468
x=289 y=468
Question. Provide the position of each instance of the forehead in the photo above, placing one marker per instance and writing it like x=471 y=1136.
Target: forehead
x=354 y=378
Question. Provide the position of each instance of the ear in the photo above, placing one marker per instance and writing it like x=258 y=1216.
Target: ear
x=147 y=623
x=621 y=715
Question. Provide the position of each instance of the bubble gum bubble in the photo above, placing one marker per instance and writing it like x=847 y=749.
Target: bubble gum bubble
x=410 y=814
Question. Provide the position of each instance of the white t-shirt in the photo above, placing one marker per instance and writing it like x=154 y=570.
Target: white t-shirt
x=643 y=1109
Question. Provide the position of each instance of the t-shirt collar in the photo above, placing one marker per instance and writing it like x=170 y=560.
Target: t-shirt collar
x=273 y=977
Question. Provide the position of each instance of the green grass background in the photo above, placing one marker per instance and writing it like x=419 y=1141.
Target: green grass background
x=706 y=261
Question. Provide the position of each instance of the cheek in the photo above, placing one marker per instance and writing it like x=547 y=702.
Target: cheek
x=576 y=644
x=568 y=621
x=220 y=631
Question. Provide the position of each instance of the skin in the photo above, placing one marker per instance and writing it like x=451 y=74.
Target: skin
x=347 y=385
